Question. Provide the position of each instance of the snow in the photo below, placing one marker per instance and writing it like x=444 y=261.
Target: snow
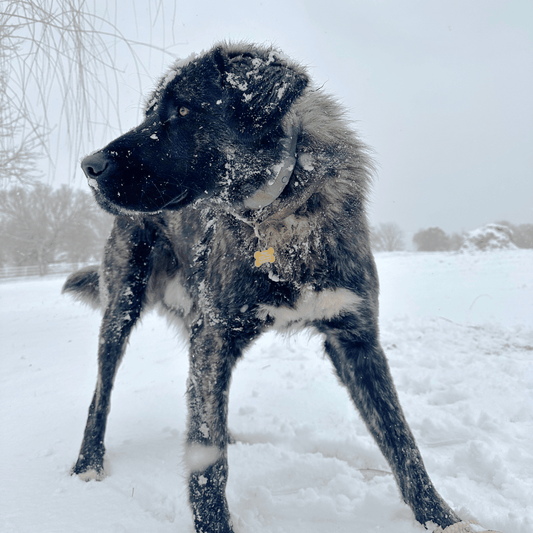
x=458 y=330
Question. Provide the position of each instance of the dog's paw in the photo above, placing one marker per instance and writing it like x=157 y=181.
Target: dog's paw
x=90 y=475
x=464 y=527
x=88 y=471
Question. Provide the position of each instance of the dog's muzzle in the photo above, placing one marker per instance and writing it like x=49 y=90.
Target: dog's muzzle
x=96 y=166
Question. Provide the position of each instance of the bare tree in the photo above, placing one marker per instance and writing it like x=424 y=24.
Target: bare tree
x=18 y=149
x=54 y=52
x=456 y=240
x=521 y=234
x=40 y=225
x=387 y=237
x=431 y=240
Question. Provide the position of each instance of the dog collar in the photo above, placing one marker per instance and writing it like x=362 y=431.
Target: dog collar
x=273 y=188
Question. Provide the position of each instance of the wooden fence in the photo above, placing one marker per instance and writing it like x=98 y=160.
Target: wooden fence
x=33 y=270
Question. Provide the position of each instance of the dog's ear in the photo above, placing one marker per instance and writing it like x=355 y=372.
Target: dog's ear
x=260 y=86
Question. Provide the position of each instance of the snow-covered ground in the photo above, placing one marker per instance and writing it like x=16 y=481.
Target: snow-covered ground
x=458 y=330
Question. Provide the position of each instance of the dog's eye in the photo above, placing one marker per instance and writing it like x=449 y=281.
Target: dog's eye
x=175 y=114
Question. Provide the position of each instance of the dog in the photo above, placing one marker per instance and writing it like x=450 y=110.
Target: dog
x=239 y=206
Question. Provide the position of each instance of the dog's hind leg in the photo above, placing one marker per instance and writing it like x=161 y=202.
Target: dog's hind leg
x=361 y=365
x=211 y=362
x=126 y=270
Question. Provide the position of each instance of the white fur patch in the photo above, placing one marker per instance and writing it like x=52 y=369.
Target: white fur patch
x=176 y=297
x=311 y=306
x=198 y=457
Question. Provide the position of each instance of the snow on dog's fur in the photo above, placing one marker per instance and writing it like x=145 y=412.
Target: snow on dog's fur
x=237 y=154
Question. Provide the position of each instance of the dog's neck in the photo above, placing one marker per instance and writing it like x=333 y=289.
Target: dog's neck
x=266 y=208
x=273 y=188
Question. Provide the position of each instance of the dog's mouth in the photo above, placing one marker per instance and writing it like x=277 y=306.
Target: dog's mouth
x=118 y=208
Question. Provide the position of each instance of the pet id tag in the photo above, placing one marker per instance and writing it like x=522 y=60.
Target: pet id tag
x=264 y=257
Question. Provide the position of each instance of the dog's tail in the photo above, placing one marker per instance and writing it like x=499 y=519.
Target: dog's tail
x=84 y=285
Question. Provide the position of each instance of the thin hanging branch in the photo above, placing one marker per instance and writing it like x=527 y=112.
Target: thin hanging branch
x=57 y=70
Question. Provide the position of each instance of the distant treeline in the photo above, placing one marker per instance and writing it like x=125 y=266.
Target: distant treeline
x=388 y=237
x=41 y=226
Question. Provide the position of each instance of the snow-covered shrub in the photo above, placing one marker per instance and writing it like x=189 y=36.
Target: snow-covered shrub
x=489 y=237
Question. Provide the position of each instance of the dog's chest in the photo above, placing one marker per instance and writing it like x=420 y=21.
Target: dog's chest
x=229 y=276
x=208 y=243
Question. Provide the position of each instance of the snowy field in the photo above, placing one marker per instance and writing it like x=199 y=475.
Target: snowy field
x=458 y=331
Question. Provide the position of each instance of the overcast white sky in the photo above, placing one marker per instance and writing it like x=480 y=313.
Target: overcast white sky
x=442 y=90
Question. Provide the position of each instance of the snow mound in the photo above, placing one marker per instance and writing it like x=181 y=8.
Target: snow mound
x=489 y=237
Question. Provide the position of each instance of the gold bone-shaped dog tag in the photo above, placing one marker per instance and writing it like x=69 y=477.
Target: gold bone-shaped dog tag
x=264 y=257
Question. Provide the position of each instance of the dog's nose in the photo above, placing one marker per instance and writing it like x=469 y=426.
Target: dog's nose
x=95 y=165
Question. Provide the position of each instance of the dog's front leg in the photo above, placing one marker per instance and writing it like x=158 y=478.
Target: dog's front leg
x=362 y=366
x=211 y=362
x=126 y=270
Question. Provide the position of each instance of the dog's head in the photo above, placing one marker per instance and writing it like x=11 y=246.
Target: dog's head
x=212 y=124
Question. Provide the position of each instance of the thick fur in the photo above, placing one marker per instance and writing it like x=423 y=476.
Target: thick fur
x=183 y=240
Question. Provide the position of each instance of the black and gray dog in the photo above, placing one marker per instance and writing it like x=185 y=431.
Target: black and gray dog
x=240 y=207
